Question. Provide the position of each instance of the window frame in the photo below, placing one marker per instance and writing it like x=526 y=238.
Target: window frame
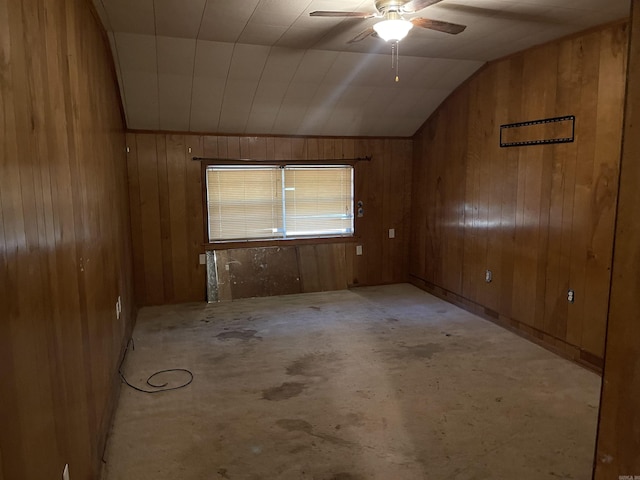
x=254 y=243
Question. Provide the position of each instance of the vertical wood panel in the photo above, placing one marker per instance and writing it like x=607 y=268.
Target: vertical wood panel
x=530 y=187
x=223 y=147
x=348 y=150
x=194 y=216
x=509 y=175
x=309 y=269
x=298 y=148
x=322 y=267
x=604 y=192
x=374 y=232
x=548 y=100
x=210 y=146
x=136 y=216
x=164 y=214
x=419 y=188
x=588 y=50
x=499 y=249
x=560 y=206
x=569 y=80
x=233 y=147
x=474 y=255
x=486 y=200
x=150 y=217
x=177 y=161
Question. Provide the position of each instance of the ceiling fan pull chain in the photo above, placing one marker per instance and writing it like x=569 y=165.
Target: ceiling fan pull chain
x=393 y=58
x=397 y=60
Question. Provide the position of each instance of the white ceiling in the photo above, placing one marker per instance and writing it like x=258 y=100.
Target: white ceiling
x=267 y=67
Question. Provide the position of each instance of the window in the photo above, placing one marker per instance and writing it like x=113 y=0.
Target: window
x=279 y=202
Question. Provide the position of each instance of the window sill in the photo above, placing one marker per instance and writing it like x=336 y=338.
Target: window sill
x=293 y=242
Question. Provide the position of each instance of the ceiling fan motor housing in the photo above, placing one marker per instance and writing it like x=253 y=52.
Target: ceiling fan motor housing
x=389 y=6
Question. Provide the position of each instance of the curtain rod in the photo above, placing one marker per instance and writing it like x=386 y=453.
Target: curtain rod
x=239 y=161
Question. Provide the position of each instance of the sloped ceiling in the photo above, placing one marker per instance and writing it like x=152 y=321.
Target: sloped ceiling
x=267 y=67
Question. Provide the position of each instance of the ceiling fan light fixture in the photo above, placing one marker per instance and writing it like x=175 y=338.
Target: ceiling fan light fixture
x=394 y=29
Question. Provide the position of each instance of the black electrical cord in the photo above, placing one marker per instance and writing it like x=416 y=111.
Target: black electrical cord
x=159 y=388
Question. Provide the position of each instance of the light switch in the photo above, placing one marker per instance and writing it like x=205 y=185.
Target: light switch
x=392 y=233
x=203 y=258
x=359 y=250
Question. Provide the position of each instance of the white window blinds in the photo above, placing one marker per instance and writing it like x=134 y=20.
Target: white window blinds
x=253 y=202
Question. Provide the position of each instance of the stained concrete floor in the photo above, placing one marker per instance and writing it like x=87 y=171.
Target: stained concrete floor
x=373 y=383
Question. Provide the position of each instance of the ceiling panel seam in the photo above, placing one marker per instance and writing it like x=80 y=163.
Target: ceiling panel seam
x=293 y=23
x=256 y=89
x=275 y=118
x=155 y=41
x=224 y=89
x=195 y=59
x=248 y=21
x=321 y=82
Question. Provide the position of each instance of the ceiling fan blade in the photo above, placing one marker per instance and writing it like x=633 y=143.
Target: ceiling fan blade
x=438 y=25
x=415 y=5
x=362 y=35
x=329 y=13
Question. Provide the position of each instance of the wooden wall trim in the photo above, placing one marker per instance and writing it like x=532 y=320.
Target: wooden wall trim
x=618 y=442
x=280 y=243
x=115 y=386
x=260 y=135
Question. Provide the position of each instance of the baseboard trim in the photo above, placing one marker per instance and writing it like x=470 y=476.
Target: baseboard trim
x=553 y=344
x=114 y=395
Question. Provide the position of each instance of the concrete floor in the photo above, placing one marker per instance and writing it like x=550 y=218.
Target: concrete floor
x=373 y=383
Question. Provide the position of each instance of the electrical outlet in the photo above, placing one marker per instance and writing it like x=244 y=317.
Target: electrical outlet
x=571 y=296
x=392 y=233
x=65 y=472
x=488 y=276
x=359 y=250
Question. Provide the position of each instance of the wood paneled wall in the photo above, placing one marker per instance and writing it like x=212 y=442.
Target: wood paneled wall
x=167 y=212
x=65 y=250
x=539 y=217
x=618 y=445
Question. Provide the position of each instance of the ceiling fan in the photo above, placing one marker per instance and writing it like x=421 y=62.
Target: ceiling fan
x=394 y=27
